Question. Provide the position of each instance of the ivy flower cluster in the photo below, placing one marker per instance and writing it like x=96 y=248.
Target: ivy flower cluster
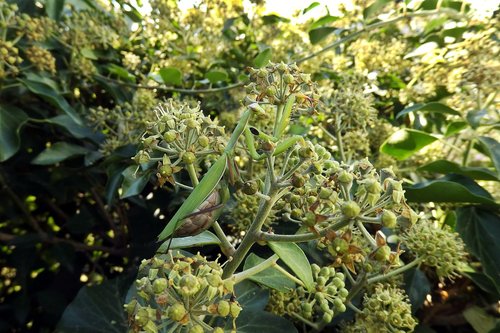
x=179 y=293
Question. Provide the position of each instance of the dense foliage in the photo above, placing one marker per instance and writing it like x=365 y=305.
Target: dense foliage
x=347 y=164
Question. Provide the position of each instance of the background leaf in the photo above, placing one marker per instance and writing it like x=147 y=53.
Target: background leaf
x=133 y=182
x=202 y=239
x=216 y=76
x=450 y=188
x=171 y=76
x=263 y=58
x=406 y=142
x=58 y=152
x=480 y=230
x=445 y=167
x=492 y=148
x=318 y=34
x=433 y=107
x=270 y=277
x=11 y=121
x=293 y=256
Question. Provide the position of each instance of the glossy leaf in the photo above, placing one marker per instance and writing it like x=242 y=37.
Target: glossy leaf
x=262 y=322
x=97 y=309
x=323 y=21
x=171 y=76
x=318 y=34
x=434 y=24
x=11 y=121
x=216 y=76
x=202 y=239
x=270 y=277
x=406 y=142
x=78 y=131
x=480 y=230
x=53 y=96
x=445 y=167
x=200 y=193
x=492 y=148
x=293 y=256
x=480 y=320
x=134 y=181
x=54 y=8
x=375 y=8
x=310 y=7
x=58 y=152
x=450 y=188
x=250 y=296
x=417 y=287
x=263 y=58
x=433 y=107
x=121 y=72
x=455 y=127
x=474 y=117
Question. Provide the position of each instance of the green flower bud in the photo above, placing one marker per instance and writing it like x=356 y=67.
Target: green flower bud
x=383 y=253
x=309 y=219
x=177 y=312
x=235 y=309
x=306 y=152
x=389 y=219
x=189 y=285
x=350 y=209
x=345 y=177
x=288 y=78
x=142 y=316
x=218 y=330
x=203 y=141
x=159 y=285
x=196 y=329
x=214 y=280
x=250 y=187
x=298 y=180
x=325 y=193
x=296 y=213
x=150 y=327
x=166 y=170
x=191 y=123
x=343 y=293
x=130 y=307
x=271 y=91
x=327 y=317
x=325 y=307
x=170 y=136
x=337 y=282
x=223 y=308
x=306 y=307
x=321 y=281
x=188 y=157
x=340 y=245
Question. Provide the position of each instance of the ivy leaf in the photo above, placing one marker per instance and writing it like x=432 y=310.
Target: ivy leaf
x=97 y=309
x=58 y=152
x=417 y=287
x=446 y=167
x=171 y=76
x=133 y=182
x=474 y=117
x=121 y=72
x=375 y=8
x=406 y=142
x=433 y=107
x=270 y=277
x=202 y=239
x=262 y=322
x=492 y=148
x=216 y=76
x=262 y=59
x=480 y=230
x=251 y=296
x=310 y=7
x=434 y=24
x=318 y=34
x=54 y=8
x=323 y=21
x=455 y=127
x=11 y=121
x=78 y=131
x=450 y=188
x=52 y=96
x=293 y=256
x=480 y=320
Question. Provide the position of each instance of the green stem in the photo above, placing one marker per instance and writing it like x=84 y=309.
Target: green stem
x=271 y=261
x=268 y=237
x=397 y=271
x=226 y=247
x=192 y=174
x=304 y=320
x=251 y=236
x=374 y=26
x=465 y=159
x=339 y=144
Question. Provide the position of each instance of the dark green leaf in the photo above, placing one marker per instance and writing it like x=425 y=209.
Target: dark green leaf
x=52 y=96
x=318 y=34
x=171 y=76
x=455 y=127
x=54 y=8
x=89 y=53
x=78 y=131
x=58 y=152
x=434 y=24
x=451 y=188
x=311 y=6
x=417 y=287
x=422 y=49
x=262 y=59
x=97 y=309
x=134 y=181
x=11 y=121
x=484 y=282
x=120 y=72
x=433 y=107
x=250 y=296
x=270 y=277
x=451 y=220
x=216 y=76
x=375 y=8
x=323 y=21
x=205 y=238
x=480 y=230
x=492 y=148
x=273 y=18
x=474 y=117
x=480 y=320
x=293 y=256
x=262 y=322
x=406 y=142
x=446 y=167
